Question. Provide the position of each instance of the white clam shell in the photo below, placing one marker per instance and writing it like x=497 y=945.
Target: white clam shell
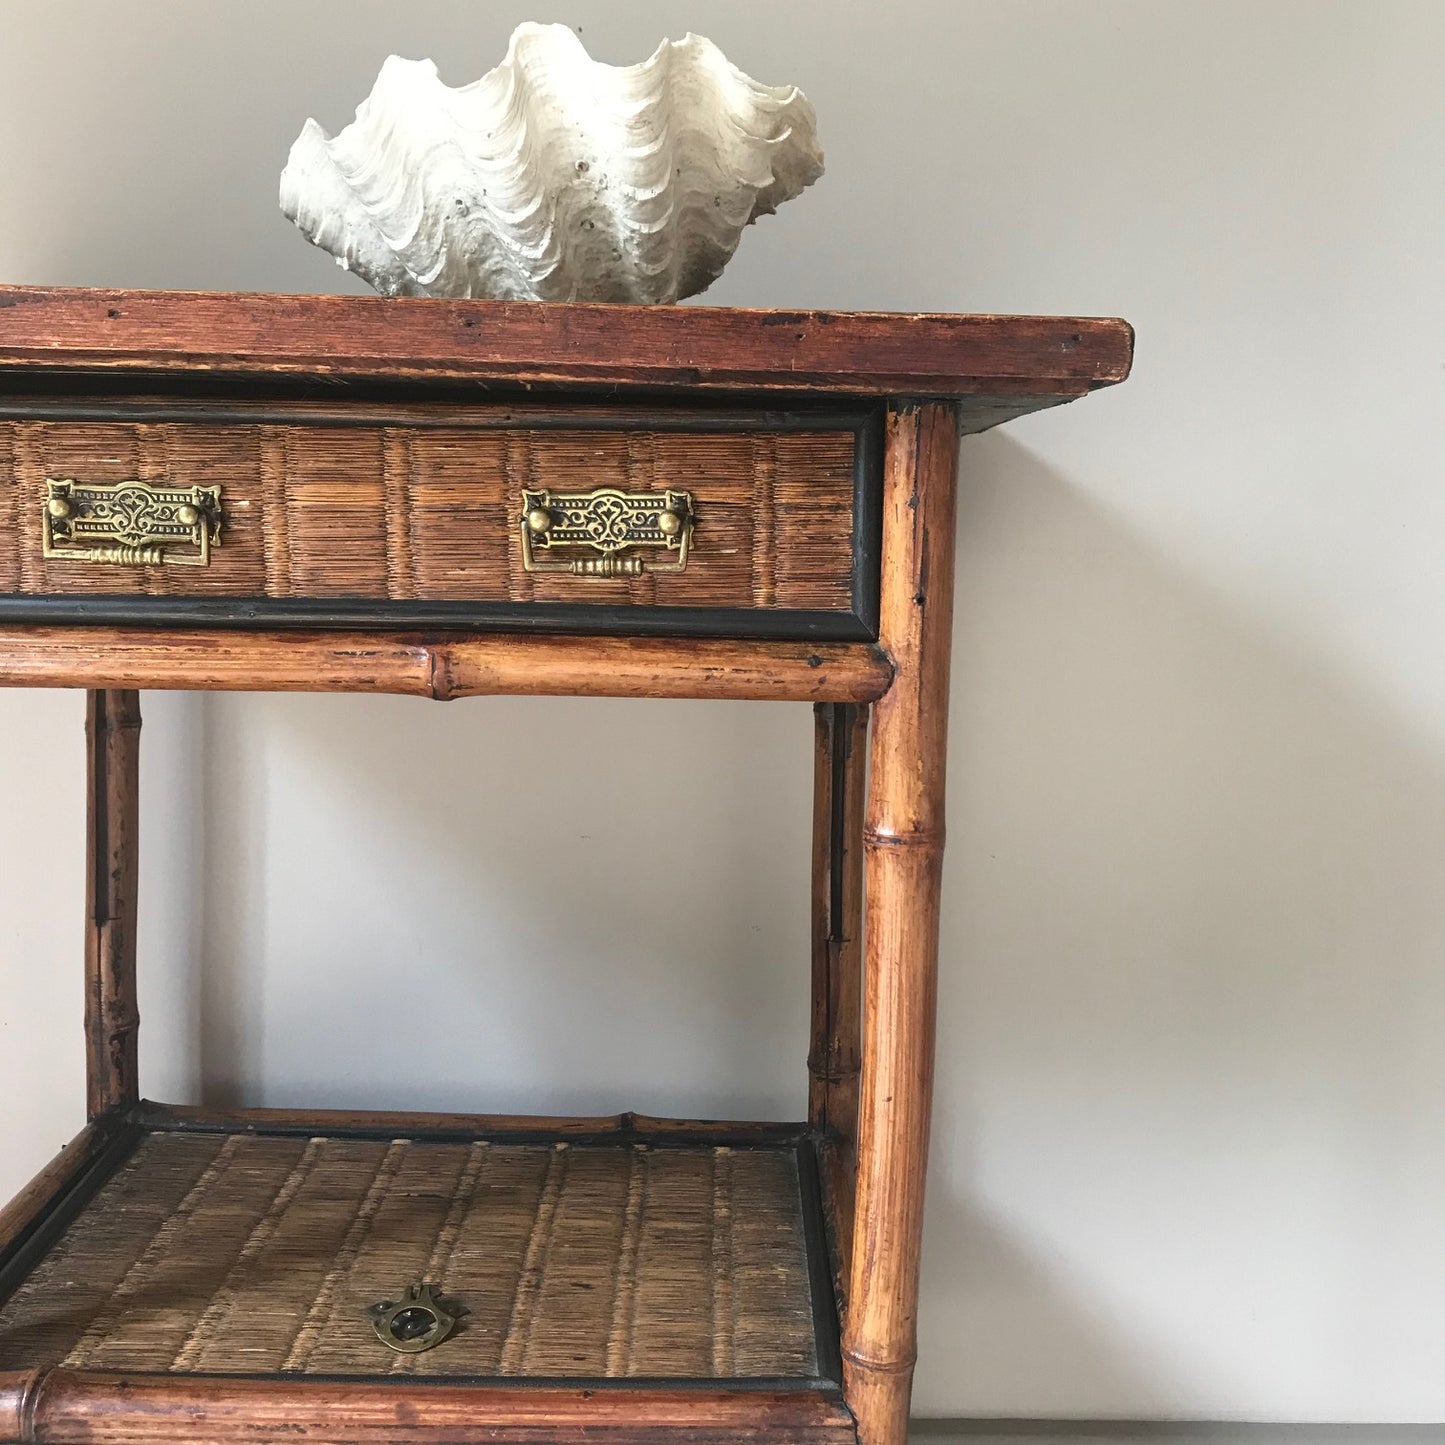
x=554 y=177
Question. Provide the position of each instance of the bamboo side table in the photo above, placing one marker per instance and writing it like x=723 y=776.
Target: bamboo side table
x=449 y=500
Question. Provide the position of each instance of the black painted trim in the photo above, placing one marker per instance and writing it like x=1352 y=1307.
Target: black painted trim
x=310 y=413
x=65 y=386
x=827 y=1332
x=32 y=1244
x=868 y=522
x=341 y=614
x=825 y=1389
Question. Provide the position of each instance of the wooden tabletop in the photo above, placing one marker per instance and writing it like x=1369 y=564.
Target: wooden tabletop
x=1000 y=366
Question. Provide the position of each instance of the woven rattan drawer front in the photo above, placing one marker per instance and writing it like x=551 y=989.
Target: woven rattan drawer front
x=368 y=515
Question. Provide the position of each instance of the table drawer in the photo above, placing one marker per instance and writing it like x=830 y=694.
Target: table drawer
x=669 y=520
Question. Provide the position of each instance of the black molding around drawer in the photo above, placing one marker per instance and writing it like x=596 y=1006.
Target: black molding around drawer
x=342 y=614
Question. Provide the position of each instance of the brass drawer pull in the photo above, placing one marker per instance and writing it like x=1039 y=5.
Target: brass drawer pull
x=607 y=522
x=132 y=524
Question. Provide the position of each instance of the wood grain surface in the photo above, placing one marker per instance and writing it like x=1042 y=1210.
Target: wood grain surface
x=1012 y=364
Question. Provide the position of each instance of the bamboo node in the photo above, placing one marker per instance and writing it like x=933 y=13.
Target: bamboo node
x=439 y=674
x=880 y=1366
x=27 y=1400
x=876 y=837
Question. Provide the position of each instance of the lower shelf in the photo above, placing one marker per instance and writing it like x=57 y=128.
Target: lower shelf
x=221 y=1273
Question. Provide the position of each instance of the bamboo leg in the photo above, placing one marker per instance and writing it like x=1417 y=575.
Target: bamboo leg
x=840 y=767
x=112 y=730
x=903 y=844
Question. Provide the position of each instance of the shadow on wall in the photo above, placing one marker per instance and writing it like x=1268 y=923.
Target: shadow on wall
x=1191 y=984
x=1191 y=988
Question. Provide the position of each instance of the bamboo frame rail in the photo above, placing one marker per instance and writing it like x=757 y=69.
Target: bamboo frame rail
x=835 y=1056
x=442 y=668
x=903 y=842
x=62 y=1405
x=190 y=1116
x=840 y=763
x=112 y=1016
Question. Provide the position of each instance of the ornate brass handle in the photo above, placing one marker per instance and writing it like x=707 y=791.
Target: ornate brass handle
x=607 y=522
x=132 y=524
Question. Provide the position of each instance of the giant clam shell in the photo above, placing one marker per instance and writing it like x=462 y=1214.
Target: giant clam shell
x=554 y=177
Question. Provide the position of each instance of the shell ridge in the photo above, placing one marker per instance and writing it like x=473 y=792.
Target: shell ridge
x=553 y=175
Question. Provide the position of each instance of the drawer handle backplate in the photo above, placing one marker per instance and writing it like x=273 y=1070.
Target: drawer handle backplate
x=131 y=524
x=606 y=522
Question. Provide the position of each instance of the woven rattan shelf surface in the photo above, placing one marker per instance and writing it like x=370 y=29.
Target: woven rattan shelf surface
x=243 y=1253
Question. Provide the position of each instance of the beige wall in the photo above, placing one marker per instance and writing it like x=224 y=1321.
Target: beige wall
x=1188 y=1151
